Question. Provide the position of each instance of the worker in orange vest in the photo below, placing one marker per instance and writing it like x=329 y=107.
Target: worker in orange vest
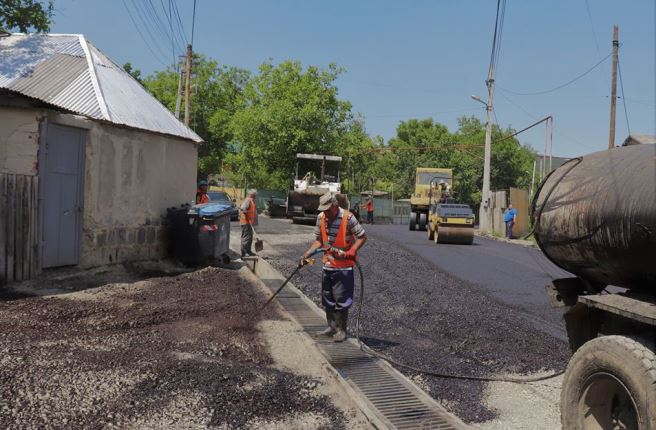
x=201 y=193
x=370 y=210
x=338 y=231
x=248 y=218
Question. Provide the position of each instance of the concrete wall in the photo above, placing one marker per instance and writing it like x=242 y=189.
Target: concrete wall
x=19 y=140
x=131 y=178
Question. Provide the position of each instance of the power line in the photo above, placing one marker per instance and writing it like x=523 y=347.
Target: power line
x=142 y=14
x=175 y=33
x=176 y=12
x=193 y=24
x=559 y=86
x=141 y=34
x=594 y=37
x=422 y=114
x=626 y=114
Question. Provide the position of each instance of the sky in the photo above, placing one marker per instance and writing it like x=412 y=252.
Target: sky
x=420 y=58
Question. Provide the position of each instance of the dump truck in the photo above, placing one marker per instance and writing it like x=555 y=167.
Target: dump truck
x=448 y=221
x=420 y=199
x=314 y=175
x=595 y=217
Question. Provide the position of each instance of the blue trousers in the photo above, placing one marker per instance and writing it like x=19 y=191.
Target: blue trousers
x=337 y=288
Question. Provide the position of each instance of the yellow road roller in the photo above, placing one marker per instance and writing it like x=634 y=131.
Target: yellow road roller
x=448 y=221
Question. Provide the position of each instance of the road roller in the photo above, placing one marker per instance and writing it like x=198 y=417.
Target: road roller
x=448 y=221
x=595 y=217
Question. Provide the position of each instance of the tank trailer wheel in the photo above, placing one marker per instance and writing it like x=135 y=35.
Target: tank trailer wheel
x=413 y=221
x=610 y=383
x=422 y=221
x=430 y=231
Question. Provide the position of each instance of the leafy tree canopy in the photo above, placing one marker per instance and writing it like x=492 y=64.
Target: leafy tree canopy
x=25 y=15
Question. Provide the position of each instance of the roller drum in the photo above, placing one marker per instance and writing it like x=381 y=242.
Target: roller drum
x=595 y=216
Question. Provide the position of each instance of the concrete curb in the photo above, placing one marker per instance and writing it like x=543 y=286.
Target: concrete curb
x=265 y=271
x=524 y=243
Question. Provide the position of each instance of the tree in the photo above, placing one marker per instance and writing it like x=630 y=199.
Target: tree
x=25 y=14
x=216 y=96
x=135 y=73
x=289 y=110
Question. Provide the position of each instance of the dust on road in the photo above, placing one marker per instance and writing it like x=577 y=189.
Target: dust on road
x=167 y=352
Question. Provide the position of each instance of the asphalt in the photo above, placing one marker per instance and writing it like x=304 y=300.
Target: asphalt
x=513 y=274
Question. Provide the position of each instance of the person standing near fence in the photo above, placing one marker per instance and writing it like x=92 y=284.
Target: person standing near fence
x=370 y=210
x=248 y=219
x=510 y=218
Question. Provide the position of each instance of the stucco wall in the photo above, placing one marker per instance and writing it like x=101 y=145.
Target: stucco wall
x=131 y=178
x=19 y=140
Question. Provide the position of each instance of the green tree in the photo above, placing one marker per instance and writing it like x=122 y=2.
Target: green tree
x=216 y=96
x=135 y=73
x=289 y=110
x=25 y=14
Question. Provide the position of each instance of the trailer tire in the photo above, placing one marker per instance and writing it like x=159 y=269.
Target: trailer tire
x=413 y=221
x=610 y=379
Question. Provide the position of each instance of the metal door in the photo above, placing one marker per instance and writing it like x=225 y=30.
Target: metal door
x=62 y=186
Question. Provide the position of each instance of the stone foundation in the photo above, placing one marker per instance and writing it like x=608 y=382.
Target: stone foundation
x=121 y=244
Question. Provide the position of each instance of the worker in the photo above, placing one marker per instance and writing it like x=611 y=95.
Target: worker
x=510 y=218
x=248 y=219
x=370 y=210
x=201 y=193
x=341 y=234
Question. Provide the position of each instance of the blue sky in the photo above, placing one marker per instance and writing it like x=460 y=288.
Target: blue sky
x=422 y=58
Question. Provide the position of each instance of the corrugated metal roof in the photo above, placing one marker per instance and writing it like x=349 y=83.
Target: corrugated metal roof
x=68 y=72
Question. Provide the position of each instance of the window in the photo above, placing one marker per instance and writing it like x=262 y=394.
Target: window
x=424 y=178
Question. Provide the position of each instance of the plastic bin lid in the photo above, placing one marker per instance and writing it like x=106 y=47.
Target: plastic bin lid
x=213 y=209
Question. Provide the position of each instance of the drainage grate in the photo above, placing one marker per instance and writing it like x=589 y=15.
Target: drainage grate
x=396 y=402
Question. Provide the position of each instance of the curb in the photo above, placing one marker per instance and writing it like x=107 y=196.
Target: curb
x=519 y=242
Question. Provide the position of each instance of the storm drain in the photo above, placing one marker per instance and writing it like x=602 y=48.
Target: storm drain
x=397 y=403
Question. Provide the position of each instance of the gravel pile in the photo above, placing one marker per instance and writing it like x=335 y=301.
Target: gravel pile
x=168 y=352
x=421 y=316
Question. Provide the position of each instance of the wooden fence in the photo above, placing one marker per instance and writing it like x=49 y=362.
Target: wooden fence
x=19 y=227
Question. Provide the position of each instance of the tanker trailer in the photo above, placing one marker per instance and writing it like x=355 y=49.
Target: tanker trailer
x=595 y=217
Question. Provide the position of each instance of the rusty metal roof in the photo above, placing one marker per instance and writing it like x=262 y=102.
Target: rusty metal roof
x=67 y=71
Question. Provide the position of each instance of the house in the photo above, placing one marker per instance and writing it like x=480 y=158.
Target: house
x=89 y=160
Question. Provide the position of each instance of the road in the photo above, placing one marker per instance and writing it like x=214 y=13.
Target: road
x=513 y=274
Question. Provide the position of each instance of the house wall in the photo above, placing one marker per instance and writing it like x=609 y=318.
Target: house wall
x=131 y=178
x=19 y=140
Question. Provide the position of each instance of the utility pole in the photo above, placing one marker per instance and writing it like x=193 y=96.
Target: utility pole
x=613 y=88
x=484 y=212
x=187 y=85
x=178 y=99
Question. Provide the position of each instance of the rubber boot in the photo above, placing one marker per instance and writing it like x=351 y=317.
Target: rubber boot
x=341 y=321
x=330 y=321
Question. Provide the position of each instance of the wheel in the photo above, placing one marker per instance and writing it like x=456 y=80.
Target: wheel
x=610 y=383
x=422 y=221
x=430 y=231
x=413 y=221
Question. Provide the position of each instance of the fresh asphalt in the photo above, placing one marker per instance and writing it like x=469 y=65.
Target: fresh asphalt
x=513 y=274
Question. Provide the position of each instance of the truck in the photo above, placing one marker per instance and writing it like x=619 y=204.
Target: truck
x=595 y=217
x=420 y=198
x=314 y=175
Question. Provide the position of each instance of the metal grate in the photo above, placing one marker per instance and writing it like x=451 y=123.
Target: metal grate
x=395 y=401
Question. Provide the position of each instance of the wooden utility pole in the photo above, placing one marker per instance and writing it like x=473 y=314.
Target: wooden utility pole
x=187 y=85
x=613 y=88
x=178 y=98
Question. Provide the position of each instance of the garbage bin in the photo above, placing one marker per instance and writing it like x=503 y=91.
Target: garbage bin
x=200 y=234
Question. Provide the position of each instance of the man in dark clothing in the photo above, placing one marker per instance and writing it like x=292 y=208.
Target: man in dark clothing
x=339 y=231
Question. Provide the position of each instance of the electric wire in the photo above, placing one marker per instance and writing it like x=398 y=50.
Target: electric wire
x=143 y=38
x=193 y=23
x=626 y=114
x=176 y=12
x=145 y=20
x=594 y=36
x=535 y=93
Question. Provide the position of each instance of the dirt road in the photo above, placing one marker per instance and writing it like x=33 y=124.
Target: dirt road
x=422 y=316
x=169 y=352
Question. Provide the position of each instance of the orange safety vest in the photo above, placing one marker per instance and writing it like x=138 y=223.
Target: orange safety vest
x=370 y=206
x=341 y=242
x=248 y=218
x=201 y=197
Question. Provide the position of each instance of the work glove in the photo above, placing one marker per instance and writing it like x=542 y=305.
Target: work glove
x=303 y=261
